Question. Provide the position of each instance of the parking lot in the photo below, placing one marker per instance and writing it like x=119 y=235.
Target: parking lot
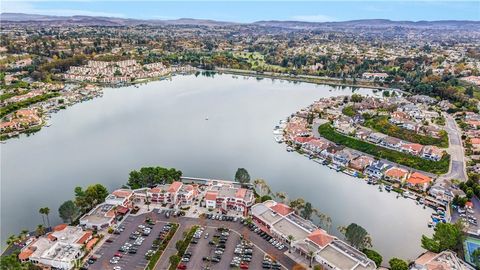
x=128 y=260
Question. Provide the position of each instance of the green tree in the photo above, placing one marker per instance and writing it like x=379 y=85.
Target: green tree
x=356 y=98
x=476 y=257
x=307 y=211
x=88 y=198
x=357 y=236
x=398 y=264
x=68 y=211
x=373 y=255
x=446 y=236
x=150 y=176
x=265 y=198
x=174 y=259
x=242 y=176
x=45 y=211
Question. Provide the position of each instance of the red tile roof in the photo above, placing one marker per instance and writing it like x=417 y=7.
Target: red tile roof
x=240 y=194
x=418 y=178
x=91 y=243
x=60 y=227
x=175 y=186
x=121 y=193
x=282 y=209
x=320 y=237
x=26 y=253
x=211 y=196
x=84 y=237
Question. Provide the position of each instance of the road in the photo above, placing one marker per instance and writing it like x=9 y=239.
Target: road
x=455 y=149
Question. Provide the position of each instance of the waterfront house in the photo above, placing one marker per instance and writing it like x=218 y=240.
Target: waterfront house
x=445 y=191
x=331 y=150
x=343 y=157
x=361 y=162
x=316 y=145
x=396 y=174
x=300 y=141
x=419 y=181
x=412 y=148
x=376 y=169
x=374 y=76
x=432 y=153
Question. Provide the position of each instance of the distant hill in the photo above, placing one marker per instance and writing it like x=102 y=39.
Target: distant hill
x=22 y=18
x=98 y=20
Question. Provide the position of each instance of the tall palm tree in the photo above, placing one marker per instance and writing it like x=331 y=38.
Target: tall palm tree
x=41 y=211
x=11 y=239
x=310 y=256
x=46 y=211
x=290 y=240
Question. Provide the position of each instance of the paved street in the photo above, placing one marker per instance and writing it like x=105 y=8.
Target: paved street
x=456 y=151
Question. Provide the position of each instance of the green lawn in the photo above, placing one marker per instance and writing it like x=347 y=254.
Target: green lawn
x=437 y=167
x=382 y=125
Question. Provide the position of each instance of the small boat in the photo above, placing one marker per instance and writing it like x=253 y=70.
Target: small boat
x=206 y=118
x=289 y=149
x=431 y=224
x=380 y=187
x=388 y=188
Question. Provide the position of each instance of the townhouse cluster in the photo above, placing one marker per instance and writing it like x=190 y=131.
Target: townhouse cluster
x=408 y=113
x=58 y=249
x=21 y=120
x=305 y=238
x=120 y=72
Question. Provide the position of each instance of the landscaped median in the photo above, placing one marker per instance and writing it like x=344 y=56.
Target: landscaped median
x=436 y=167
x=181 y=247
x=156 y=256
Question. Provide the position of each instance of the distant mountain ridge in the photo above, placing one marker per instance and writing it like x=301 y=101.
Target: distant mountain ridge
x=22 y=18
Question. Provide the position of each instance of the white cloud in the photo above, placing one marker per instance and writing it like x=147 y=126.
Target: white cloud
x=24 y=7
x=313 y=18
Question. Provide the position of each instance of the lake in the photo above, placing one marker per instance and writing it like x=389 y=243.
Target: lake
x=163 y=123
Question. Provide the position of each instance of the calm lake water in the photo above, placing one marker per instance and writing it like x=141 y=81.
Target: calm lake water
x=163 y=123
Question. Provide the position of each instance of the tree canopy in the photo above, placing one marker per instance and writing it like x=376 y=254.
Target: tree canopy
x=68 y=211
x=446 y=236
x=242 y=176
x=150 y=176
x=373 y=255
x=357 y=236
x=398 y=264
x=88 y=198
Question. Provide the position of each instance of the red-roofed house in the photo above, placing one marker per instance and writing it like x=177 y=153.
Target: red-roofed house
x=412 y=148
x=396 y=174
x=418 y=180
x=211 y=199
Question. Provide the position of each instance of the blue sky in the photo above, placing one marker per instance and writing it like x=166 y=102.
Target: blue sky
x=249 y=11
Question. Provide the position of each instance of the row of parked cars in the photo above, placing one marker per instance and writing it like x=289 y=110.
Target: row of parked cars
x=276 y=243
x=221 y=217
x=269 y=263
x=242 y=255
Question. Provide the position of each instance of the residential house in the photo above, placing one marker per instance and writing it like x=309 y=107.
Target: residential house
x=445 y=191
x=412 y=148
x=343 y=157
x=419 y=181
x=391 y=142
x=316 y=145
x=361 y=162
x=376 y=169
x=376 y=137
x=363 y=133
x=432 y=153
x=396 y=174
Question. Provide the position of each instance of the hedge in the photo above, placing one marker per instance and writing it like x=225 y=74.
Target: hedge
x=436 y=167
x=156 y=256
x=182 y=247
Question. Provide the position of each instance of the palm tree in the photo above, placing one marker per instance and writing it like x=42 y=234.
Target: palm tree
x=310 y=256
x=40 y=229
x=290 y=240
x=46 y=211
x=282 y=196
x=41 y=211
